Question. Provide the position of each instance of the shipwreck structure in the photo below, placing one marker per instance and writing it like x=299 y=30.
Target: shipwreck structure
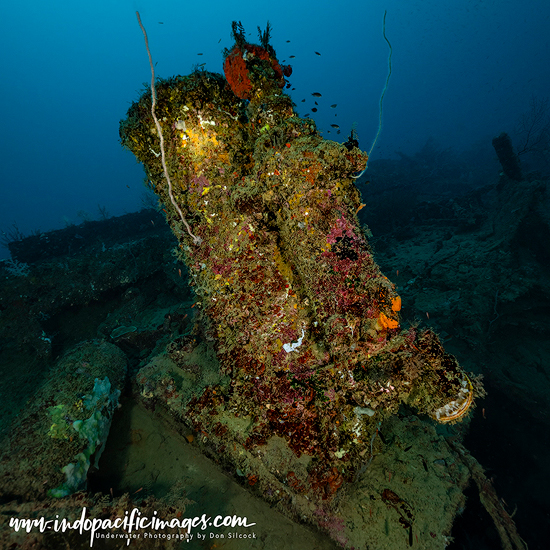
x=298 y=362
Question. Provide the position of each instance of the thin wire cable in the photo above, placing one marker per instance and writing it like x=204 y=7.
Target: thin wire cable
x=196 y=240
x=381 y=98
x=385 y=87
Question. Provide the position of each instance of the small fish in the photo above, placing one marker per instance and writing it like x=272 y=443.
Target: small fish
x=219 y=40
x=317 y=53
x=316 y=103
x=303 y=100
x=333 y=106
x=316 y=94
x=291 y=56
x=161 y=22
x=306 y=115
x=201 y=65
x=314 y=109
x=287 y=41
x=338 y=132
x=335 y=126
x=293 y=89
x=199 y=54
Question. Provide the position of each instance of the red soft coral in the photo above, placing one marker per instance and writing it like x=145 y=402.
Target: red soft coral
x=236 y=73
x=241 y=72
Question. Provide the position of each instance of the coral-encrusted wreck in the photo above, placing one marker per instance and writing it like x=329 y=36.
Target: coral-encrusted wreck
x=302 y=357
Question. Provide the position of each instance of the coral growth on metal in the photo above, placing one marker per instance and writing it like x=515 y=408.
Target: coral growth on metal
x=304 y=324
x=240 y=66
x=249 y=67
